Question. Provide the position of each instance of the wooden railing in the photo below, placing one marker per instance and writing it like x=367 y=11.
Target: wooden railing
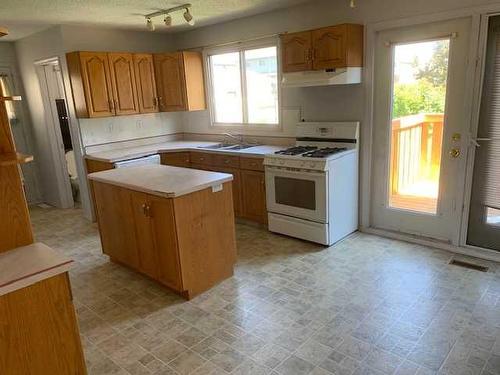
x=416 y=143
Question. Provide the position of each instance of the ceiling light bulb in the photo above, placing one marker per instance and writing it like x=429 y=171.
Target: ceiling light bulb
x=150 y=25
x=168 y=20
x=352 y=4
x=188 y=17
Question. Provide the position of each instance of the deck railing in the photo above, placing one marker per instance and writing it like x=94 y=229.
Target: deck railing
x=416 y=143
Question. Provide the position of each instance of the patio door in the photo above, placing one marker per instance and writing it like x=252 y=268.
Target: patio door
x=420 y=119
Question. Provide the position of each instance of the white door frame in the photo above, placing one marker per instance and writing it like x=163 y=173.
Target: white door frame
x=478 y=39
x=54 y=134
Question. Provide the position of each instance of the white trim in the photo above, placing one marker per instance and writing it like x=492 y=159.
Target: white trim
x=240 y=47
x=472 y=251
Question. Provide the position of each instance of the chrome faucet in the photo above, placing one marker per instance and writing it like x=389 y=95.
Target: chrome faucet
x=237 y=137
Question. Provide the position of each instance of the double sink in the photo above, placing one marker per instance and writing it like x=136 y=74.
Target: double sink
x=222 y=146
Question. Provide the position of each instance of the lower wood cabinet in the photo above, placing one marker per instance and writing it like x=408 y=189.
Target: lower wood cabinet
x=39 y=331
x=249 y=194
x=236 y=187
x=186 y=243
x=253 y=193
x=156 y=238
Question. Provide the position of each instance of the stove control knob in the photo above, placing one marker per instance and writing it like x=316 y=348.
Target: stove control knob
x=282 y=162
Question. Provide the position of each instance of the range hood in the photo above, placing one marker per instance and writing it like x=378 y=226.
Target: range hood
x=341 y=76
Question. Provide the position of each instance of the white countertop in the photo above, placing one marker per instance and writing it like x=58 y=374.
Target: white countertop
x=127 y=153
x=162 y=180
x=27 y=265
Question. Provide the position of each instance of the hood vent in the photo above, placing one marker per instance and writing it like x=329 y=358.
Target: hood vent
x=340 y=76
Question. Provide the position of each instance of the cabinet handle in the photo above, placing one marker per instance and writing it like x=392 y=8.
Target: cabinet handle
x=202 y=158
x=111 y=105
x=155 y=102
x=226 y=161
x=146 y=210
x=116 y=103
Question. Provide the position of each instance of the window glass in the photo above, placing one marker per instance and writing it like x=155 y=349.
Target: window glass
x=226 y=85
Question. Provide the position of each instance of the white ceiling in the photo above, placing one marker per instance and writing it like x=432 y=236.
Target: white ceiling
x=24 y=17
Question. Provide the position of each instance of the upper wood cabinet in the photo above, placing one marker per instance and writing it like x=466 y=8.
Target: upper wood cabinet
x=145 y=82
x=331 y=47
x=91 y=83
x=296 y=51
x=121 y=67
x=179 y=81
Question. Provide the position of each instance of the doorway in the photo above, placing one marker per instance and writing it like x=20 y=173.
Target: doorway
x=66 y=191
x=484 y=212
x=419 y=119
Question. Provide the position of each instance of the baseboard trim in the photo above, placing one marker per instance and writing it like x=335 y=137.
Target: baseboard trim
x=472 y=251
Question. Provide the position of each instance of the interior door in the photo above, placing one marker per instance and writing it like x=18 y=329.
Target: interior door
x=170 y=81
x=484 y=215
x=296 y=52
x=97 y=84
x=145 y=82
x=121 y=66
x=420 y=115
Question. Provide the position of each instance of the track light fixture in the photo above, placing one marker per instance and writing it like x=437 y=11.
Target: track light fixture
x=168 y=18
x=188 y=17
x=149 y=24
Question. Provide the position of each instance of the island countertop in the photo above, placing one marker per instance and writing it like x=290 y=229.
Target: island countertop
x=27 y=265
x=162 y=180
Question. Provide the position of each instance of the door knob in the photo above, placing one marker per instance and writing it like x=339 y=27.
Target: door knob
x=455 y=152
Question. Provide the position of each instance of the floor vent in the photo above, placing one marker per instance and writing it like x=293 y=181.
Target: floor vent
x=472 y=266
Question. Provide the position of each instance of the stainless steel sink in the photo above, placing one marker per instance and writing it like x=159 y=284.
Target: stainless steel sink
x=214 y=147
x=222 y=146
x=239 y=147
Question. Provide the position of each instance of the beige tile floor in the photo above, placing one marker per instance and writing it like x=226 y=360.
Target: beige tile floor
x=367 y=305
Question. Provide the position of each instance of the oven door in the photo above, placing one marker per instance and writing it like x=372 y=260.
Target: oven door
x=301 y=194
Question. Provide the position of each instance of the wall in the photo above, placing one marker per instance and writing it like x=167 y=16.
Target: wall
x=55 y=42
x=21 y=129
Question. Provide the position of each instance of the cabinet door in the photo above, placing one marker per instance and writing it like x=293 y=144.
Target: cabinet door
x=170 y=81
x=145 y=82
x=148 y=257
x=254 y=196
x=236 y=187
x=121 y=66
x=97 y=84
x=116 y=223
x=329 y=47
x=165 y=238
x=296 y=52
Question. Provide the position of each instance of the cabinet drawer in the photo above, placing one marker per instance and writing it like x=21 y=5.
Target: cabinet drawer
x=226 y=161
x=201 y=158
x=177 y=159
x=253 y=164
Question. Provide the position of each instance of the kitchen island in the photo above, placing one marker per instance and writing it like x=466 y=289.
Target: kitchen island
x=175 y=225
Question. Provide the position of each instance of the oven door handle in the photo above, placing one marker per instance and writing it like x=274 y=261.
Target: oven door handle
x=277 y=170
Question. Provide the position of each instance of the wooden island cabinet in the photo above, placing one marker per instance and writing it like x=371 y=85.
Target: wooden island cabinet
x=175 y=225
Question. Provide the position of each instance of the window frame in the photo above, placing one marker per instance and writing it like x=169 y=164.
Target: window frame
x=240 y=47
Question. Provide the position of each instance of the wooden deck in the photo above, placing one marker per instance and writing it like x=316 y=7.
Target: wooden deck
x=413 y=203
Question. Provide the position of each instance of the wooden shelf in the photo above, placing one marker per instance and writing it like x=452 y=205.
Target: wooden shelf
x=10 y=98
x=14 y=158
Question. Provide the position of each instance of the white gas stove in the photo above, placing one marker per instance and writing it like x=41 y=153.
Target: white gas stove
x=312 y=188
